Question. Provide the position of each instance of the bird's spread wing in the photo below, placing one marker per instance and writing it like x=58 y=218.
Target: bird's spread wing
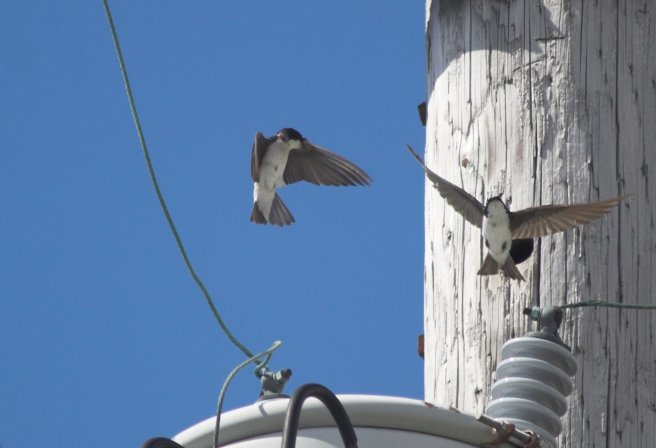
x=461 y=201
x=540 y=221
x=319 y=166
x=259 y=147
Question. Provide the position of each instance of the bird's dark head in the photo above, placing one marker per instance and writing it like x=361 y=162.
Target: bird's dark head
x=287 y=134
x=495 y=203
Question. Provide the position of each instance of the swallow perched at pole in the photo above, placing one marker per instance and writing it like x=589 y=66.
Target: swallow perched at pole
x=503 y=228
x=288 y=157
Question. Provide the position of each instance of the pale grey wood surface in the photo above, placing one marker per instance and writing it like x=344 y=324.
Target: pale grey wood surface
x=547 y=102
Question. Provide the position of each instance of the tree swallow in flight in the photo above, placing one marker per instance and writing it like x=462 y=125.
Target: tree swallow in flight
x=502 y=229
x=288 y=157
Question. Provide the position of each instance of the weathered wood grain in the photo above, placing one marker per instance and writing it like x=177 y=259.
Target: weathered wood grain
x=547 y=102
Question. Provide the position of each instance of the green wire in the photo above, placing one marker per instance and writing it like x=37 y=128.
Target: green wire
x=160 y=197
x=267 y=353
x=607 y=305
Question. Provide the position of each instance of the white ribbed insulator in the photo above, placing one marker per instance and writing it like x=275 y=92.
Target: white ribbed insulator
x=532 y=382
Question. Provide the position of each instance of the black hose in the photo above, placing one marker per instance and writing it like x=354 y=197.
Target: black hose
x=330 y=401
x=161 y=442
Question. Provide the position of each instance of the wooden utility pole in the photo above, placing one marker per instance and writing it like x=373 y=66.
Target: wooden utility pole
x=546 y=102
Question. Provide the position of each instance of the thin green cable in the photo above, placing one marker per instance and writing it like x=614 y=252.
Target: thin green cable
x=607 y=305
x=160 y=197
x=267 y=354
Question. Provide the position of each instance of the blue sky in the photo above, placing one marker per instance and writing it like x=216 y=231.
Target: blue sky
x=105 y=340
